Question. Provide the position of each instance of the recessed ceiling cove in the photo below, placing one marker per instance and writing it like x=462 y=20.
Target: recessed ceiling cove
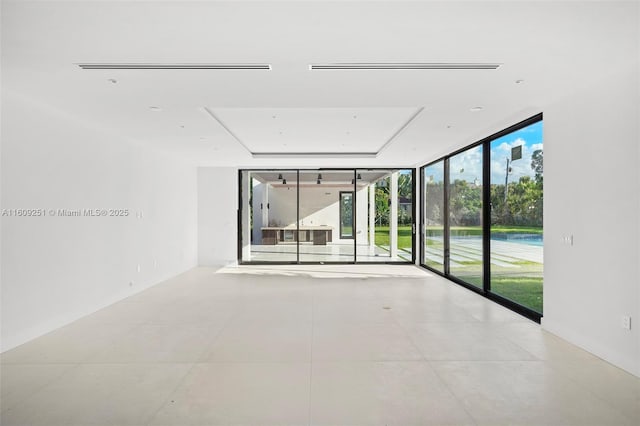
x=314 y=131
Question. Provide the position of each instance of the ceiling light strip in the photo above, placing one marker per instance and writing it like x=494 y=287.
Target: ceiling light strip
x=134 y=66
x=314 y=154
x=405 y=66
x=400 y=130
x=212 y=115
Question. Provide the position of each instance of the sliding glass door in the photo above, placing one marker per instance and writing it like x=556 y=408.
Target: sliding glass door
x=482 y=217
x=516 y=216
x=465 y=216
x=385 y=220
x=326 y=216
x=433 y=216
x=267 y=219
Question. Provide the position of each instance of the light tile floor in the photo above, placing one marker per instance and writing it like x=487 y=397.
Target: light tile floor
x=320 y=345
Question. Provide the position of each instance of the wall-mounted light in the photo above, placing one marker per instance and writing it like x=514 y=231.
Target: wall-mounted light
x=319 y=176
x=280 y=176
x=284 y=181
x=359 y=176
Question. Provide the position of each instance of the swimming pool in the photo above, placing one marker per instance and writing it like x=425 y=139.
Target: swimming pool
x=520 y=238
x=530 y=239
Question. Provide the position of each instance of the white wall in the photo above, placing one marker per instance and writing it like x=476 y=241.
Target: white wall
x=319 y=205
x=592 y=192
x=217 y=216
x=57 y=269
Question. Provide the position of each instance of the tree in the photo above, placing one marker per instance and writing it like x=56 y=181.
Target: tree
x=536 y=165
x=405 y=186
x=382 y=206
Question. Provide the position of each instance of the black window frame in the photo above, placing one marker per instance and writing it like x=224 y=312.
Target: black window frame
x=485 y=290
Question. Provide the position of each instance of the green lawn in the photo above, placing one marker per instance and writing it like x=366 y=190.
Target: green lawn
x=404 y=236
x=524 y=290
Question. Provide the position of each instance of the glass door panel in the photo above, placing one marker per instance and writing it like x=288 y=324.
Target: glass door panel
x=465 y=216
x=385 y=215
x=516 y=216
x=326 y=220
x=268 y=215
x=433 y=227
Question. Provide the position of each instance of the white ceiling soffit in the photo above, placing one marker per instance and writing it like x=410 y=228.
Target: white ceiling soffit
x=325 y=177
x=406 y=66
x=298 y=132
x=144 y=66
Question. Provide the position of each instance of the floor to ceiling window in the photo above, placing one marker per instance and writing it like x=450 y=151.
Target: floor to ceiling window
x=516 y=216
x=433 y=216
x=465 y=216
x=482 y=217
x=326 y=216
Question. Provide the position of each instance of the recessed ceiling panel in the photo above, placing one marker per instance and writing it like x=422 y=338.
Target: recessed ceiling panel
x=314 y=130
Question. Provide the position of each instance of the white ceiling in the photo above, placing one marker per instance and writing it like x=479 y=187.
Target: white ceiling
x=313 y=130
x=555 y=47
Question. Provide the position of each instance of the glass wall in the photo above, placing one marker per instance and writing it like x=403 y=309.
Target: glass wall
x=385 y=229
x=482 y=216
x=516 y=216
x=326 y=215
x=465 y=216
x=433 y=211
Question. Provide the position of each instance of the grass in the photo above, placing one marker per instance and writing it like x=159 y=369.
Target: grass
x=404 y=236
x=526 y=291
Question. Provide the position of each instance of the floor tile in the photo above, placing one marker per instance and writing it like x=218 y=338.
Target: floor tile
x=379 y=393
x=351 y=311
x=364 y=342
x=464 y=341
x=159 y=344
x=542 y=344
x=99 y=394
x=240 y=394
x=262 y=342
x=19 y=381
x=73 y=343
x=527 y=393
x=273 y=312
x=327 y=346
x=189 y=312
x=612 y=384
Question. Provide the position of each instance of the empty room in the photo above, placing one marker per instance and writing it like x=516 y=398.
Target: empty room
x=320 y=212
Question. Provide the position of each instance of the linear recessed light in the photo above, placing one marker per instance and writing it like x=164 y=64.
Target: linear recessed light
x=139 y=66
x=406 y=66
x=313 y=154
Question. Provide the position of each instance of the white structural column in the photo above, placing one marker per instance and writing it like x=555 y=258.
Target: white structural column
x=372 y=214
x=393 y=216
x=246 y=216
x=265 y=207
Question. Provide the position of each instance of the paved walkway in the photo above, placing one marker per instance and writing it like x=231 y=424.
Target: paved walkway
x=505 y=254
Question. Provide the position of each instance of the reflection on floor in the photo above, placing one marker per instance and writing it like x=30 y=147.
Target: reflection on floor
x=365 y=345
x=325 y=253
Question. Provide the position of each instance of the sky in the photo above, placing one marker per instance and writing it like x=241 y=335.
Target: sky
x=468 y=164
